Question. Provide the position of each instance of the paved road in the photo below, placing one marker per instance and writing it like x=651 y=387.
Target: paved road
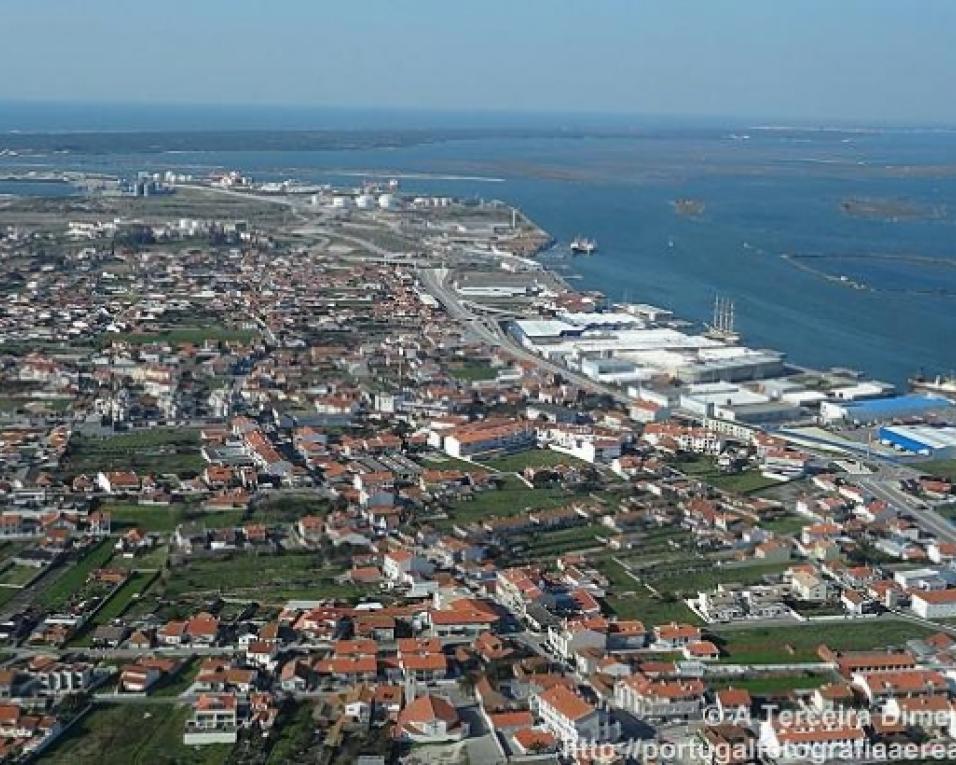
x=885 y=487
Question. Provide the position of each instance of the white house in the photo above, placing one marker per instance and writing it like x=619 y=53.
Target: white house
x=570 y=718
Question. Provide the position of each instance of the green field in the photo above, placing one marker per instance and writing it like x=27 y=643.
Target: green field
x=154 y=559
x=166 y=518
x=136 y=585
x=948 y=511
x=650 y=610
x=690 y=577
x=513 y=498
x=657 y=541
x=133 y=735
x=705 y=469
x=474 y=372
x=11 y=404
x=774 y=684
x=180 y=681
x=185 y=335
x=785 y=524
x=262 y=578
x=629 y=599
x=76 y=575
x=515 y=463
x=296 y=735
x=771 y=645
x=286 y=508
x=939 y=468
x=18 y=575
x=159 y=450
x=549 y=544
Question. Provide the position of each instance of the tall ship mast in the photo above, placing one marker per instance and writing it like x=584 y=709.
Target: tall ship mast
x=721 y=326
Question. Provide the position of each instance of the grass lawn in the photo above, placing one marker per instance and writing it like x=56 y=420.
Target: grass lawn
x=11 y=405
x=705 y=469
x=513 y=498
x=19 y=575
x=552 y=543
x=158 y=450
x=295 y=736
x=474 y=372
x=131 y=734
x=179 y=682
x=777 y=683
x=154 y=559
x=75 y=577
x=631 y=600
x=441 y=461
x=10 y=550
x=771 y=645
x=643 y=606
x=690 y=577
x=939 y=468
x=137 y=584
x=166 y=518
x=515 y=463
x=181 y=335
x=948 y=511
x=785 y=524
x=286 y=508
x=262 y=578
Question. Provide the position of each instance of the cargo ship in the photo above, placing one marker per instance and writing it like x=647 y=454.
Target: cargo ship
x=945 y=386
x=583 y=246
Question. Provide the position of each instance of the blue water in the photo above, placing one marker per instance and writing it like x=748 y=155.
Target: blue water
x=776 y=193
x=36 y=188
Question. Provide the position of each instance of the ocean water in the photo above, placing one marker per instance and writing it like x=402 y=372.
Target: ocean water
x=876 y=292
x=36 y=189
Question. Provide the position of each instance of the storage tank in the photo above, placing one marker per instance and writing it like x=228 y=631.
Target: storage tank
x=386 y=201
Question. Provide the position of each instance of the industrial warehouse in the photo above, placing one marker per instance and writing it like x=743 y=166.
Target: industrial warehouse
x=925 y=440
x=625 y=348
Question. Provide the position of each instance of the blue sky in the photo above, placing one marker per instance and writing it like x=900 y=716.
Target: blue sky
x=863 y=60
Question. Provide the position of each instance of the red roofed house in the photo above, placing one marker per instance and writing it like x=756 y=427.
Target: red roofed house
x=659 y=699
x=430 y=720
x=118 y=482
x=466 y=616
x=214 y=720
x=675 y=635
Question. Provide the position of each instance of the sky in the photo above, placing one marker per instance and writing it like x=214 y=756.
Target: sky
x=813 y=60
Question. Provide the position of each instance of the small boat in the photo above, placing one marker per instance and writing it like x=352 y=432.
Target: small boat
x=583 y=246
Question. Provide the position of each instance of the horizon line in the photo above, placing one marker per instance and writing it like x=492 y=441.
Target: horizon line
x=753 y=122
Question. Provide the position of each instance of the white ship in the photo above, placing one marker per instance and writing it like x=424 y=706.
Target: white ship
x=945 y=386
x=583 y=246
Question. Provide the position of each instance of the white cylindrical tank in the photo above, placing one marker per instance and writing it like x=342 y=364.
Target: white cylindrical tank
x=386 y=201
x=340 y=202
x=364 y=201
